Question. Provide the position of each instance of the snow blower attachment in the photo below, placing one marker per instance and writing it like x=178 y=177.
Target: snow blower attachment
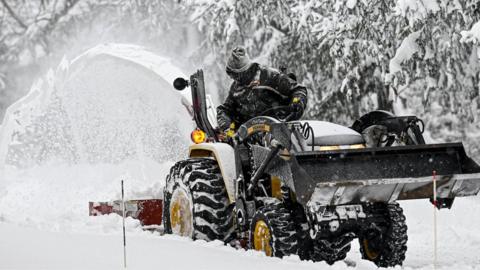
x=148 y=211
x=308 y=187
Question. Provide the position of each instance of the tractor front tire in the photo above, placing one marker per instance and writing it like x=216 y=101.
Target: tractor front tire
x=332 y=250
x=196 y=203
x=387 y=249
x=272 y=230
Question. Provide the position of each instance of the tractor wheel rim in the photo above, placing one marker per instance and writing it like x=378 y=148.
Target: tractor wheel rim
x=372 y=254
x=262 y=238
x=181 y=219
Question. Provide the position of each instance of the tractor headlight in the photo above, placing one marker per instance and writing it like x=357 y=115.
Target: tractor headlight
x=357 y=146
x=329 y=148
x=340 y=147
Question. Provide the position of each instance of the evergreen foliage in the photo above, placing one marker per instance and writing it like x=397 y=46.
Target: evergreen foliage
x=406 y=56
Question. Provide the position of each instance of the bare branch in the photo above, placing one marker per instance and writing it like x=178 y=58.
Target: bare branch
x=69 y=4
x=12 y=13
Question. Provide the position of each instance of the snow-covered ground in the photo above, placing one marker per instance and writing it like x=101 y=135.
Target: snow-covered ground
x=44 y=222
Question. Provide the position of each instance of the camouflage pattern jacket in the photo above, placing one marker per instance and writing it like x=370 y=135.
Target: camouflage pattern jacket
x=270 y=88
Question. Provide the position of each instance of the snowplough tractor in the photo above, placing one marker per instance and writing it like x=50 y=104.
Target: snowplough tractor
x=310 y=187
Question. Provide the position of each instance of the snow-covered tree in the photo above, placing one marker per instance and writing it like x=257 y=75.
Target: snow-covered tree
x=415 y=56
x=35 y=35
x=359 y=55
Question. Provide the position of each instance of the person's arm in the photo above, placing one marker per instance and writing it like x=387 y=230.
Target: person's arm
x=225 y=111
x=296 y=92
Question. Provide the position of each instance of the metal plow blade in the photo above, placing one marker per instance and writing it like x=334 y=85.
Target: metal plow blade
x=387 y=174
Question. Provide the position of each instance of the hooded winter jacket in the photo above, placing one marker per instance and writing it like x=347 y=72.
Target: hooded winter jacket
x=269 y=88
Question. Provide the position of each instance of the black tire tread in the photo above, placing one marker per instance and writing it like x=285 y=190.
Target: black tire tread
x=332 y=250
x=284 y=237
x=212 y=215
x=395 y=243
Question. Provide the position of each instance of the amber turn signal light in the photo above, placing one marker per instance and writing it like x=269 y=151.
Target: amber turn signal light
x=198 y=136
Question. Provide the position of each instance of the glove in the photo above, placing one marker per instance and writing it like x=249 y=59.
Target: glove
x=227 y=133
x=297 y=108
x=230 y=132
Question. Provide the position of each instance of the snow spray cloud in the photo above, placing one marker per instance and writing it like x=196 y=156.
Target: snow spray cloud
x=114 y=102
x=31 y=47
x=110 y=114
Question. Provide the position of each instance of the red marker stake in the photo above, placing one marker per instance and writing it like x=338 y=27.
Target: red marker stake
x=123 y=225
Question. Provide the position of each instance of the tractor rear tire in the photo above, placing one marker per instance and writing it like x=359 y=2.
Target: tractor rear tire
x=332 y=250
x=196 y=203
x=387 y=249
x=272 y=230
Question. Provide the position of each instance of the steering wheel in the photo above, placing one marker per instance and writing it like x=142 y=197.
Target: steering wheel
x=282 y=113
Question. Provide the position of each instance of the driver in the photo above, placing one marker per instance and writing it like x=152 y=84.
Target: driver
x=257 y=90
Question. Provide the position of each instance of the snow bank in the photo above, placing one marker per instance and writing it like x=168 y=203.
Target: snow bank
x=101 y=247
x=55 y=198
x=145 y=251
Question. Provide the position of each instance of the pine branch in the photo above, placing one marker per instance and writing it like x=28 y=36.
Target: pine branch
x=14 y=16
x=68 y=5
x=277 y=27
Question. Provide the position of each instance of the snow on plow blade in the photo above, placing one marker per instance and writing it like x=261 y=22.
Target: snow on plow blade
x=387 y=174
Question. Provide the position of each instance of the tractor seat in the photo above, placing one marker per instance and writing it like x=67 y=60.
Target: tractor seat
x=327 y=134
